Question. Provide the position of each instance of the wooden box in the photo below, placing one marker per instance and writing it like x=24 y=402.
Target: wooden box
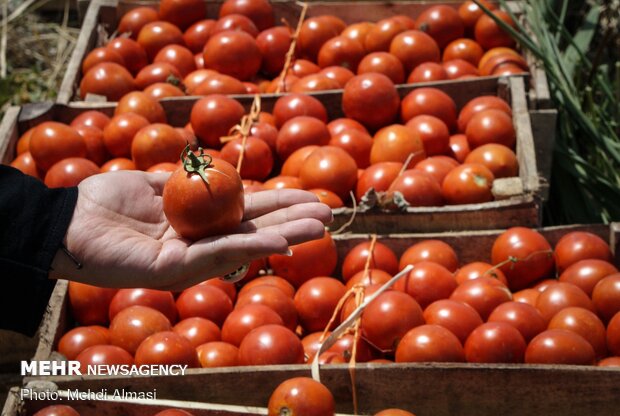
x=436 y=389
x=518 y=200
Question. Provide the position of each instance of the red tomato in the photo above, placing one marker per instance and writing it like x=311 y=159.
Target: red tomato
x=259 y=11
x=380 y=36
x=228 y=288
x=132 y=52
x=89 y=118
x=315 y=31
x=613 y=335
x=155 y=36
x=585 y=323
x=95 y=148
x=396 y=143
x=302 y=265
x=433 y=132
x=163 y=301
x=490 y=35
x=580 y=245
x=204 y=301
x=459 y=69
x=429 y=101
x=257 y=157
x=529 y=296
x=442 y=23
x=274 y=43
x=275 y=299
x=382 y=258
x=427 y=283
x=378 y=176
x=269 y=280
x=182 y=13
x=371 y=99
x=419 y=189
x=120 y=131
x=356 y=144
x=213 y=116
x=413 y=47
x=341 y=51
x=483 y=294
x=459 y=147
x=103 y=355
x=269 y=345
x=339 y=74
x=294 y=105
x=435 y=251
x=429 y=343
x=371 y=277
x=52 y=142
x=358 y=31
x=78 y=339
x=499 y=159
x=135 y=19
x=198 y=331
x=216 y=195
x=57 y=410
x=478 y=269
x=89 y=304
x=559 y=346
x=156 y=143
x=463 y=48
x=107 y=79
x=155 y=73
x=301 y=396
x=344 y=347
x=246 y=318
x=533 y=254
x=490 y=126
x=328 y=197
x=458 y=317
x=235 y=22
x=134 y=324
x=282 y=182
x=587 y=273
x=469 y=12
x=340 y=125
x=427 y=72
x=117 y=164
x=70 y=172
x=163 y=167
x=267 y=133
x=25 y=164
x=218 y=354
x=302 y=68
x=178 y=56
x=478 y=104
x=526 y=318
x=437 y=167
x=99 y=55
x=606 y=296
x=331 y=168
x=316 y=301
x=197 y=35
x=233 y=53
x=313 y=83
x=495 y=342
x=167 y=348
x=384 y=63
x=559 y=296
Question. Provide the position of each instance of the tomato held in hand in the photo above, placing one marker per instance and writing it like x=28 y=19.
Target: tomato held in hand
x=301 y=396
x=216 y=193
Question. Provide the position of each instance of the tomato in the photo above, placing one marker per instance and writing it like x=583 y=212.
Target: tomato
x=358 y=31
x=378 y=176
x=341 y=51
x=257 y=157
x=371 y=99
x=277 y=85
x=328 y=198
x=433 y=132
x=156 y=35
x=302 y=68
x=499 y=61
x=606 y=296
x=163 y=167
x=228 y=288
x=156 y=73
x=95 y=148
x=339 y=74
x=419 y=189
x=274 y=43
x=460 y=69
x=490 y=35
x=197 y=77
x=298 y=132
x=525 y=318
x=457 y=317
x=162 y=301
x=178 y=56
x=167 y=348
x=331 y=168
x=204 y=301
x=103 y=355
x=302 y=265
x=140 y=103
x=134 y=324
x=78 y=339
x=459 y=147
x=107 y=79
x=301 y=396
x=313 y=83
x=57 y=410
x=283 y=182
x=233 y=53
x=427 y=283
x=70 y=172
x=413 y=48
x=580 y=245
x=559 y=346
x=99 y=55
x=429 y=343
x=52 y=142
x=316 y=301
x=89 y=304
x=529 y=296
x=89 y=118
x=435 y=251
x=269 y=280
x=469 y=12
x=235 y=22
x=371 y=277
x=587 y=273
x=395 y=143
x=132 y=52
x=427 y=72
x=269 y=345
x=465 y=49
x=484 y=294
x=212 y=117
x=294 y=105
x=25 y=164
x=220 y=84
x=490 y=126
x=173 y=412
x=312 y=343
x=344 y=347
x=119 y=133
x=259 y=11
x=218 y=354
x=156 y=143
x=23 y=143
x=135 y=19
x=244 y=319
x=292 y=164
x=478 y=269
x=585 y=323
x=442 y=23
x=495 y=342
x=383 y=63
x=437 y=167
x=559 y=296
x=120 y=163
x=380 y=36
x=382 y=258
x=469 y=183
x=274 y=298
x=533 y=254
x=266 y=132
x=499 y=159
x=613 y=335
x=609 y=362
x=394 y=412
x=197 y=35
x=315 y=31
x=198 y=330
x=429 y=101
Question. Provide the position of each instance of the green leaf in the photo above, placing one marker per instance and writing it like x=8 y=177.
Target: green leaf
x=581 y=41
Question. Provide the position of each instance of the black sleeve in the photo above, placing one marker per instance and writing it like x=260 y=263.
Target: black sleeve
x=33 y=223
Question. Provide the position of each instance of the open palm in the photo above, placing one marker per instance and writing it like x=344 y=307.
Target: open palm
x=122 y=238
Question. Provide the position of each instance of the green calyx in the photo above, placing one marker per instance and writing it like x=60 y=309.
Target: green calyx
x=193 y=163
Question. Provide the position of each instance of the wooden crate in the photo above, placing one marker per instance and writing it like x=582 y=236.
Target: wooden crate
x=427 y=389
x=102 y=17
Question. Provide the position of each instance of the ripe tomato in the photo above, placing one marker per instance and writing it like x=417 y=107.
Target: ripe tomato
x=490 y=35
x=460 y=69
x=274 y=43
x=442 y=23
x=198 y=330
x=419 y=189
x=465 y=49
x=57 y=410
x=292 y=165
x=120 y=131
x=269 y=280
x=298 y=132
x=314 y=32
x=606 y=296
x=167 y=348
x=344 y=347
x=358 y=31
x=559 y=296
x=294 y=105
x=580 y=245
x=269 y=345
x=25 y=164
x=339 y=74
x=433 y=132
x=134 y=324
x=429 y=343
x=328 y=198
x=197 y=35
x=316 y=301
x=120 y=163
x=204 y=301
x=371 y=99
x=257 y=157
x=182 y=13
x=380 y=36
x=533 y=254
x=274 y=298
x=302 y=265
x=459 y=147
x=283 y=182
x=437 y=166
x=95 y=148
x=135 y=19
x=499 y=159
x=228 y=288
x=160 y=300
x=52 y=142
x=526 y=318
x=213 y=116
x=302 y=68
x=483 y=294
x=140 y=103
x=382 y=258
x=301 y=396
x=156 y=73
x=277 y=84
x=246 y=318
x=78 y=339
x=89 y=304
x=217 y=354
x=378 y=176
x=89 y=118
x=609 y=362
x=499 y=62
x=490 y=126
x=220 y=84
x=178 y=56
x=585 y=323
x=163 y=167
x=70 y=172
x=384 y=63
x=133 y=54
x=173 y=412
x=388 y=318
x=559 y=346
x=457 y=317
x=259 y=11
x=156 y=35
x=341 y=51
x=613 y=335
x=469 y=12
x=587 y=273
x=99 y=55
x=394 y=412
x=429 y=101
x=478 y=269
x=495 y=342
x=372 y=277
x=413 y=48
x=427 y=283
x=156 y=143
x=235 y=22
x=529 y=296
x=107 y=79
x=266 y=132
x=395 y=143
x=435 y=251
x=233 y=53
x=331 y=168
x=427 y=72
x=103 y=355
x=469 y=183
x=313 y=83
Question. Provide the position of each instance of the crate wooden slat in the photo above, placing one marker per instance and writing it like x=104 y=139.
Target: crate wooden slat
x=429 y=388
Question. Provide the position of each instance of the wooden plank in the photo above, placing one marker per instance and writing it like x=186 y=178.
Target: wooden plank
x=9 y=133
x=544 y=131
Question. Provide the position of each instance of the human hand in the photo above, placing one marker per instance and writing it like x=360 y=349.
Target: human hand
x=122 y=238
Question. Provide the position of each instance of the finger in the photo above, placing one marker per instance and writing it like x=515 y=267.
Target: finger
x=157 y=180
x=261 y=203
x=298 y=231
x=313 y=210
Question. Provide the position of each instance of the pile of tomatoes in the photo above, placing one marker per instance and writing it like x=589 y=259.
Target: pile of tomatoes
x=176 y=50
x=512 y=310
x=453 y=156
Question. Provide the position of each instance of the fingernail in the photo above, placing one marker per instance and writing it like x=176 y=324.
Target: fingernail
x=289 y=253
